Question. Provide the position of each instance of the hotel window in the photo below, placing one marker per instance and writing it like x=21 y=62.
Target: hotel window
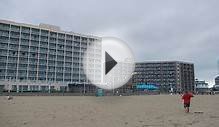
x=25 y=30
x=15 y=28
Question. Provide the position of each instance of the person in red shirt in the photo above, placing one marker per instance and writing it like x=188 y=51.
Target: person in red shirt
x=187 y=98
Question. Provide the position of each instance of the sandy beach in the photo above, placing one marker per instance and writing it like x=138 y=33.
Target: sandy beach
x=108 y=111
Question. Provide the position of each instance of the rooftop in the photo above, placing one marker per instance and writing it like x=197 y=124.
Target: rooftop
x=49 y=27
x=165 y=62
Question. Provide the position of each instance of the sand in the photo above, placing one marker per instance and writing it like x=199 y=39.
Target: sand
x=111 y=111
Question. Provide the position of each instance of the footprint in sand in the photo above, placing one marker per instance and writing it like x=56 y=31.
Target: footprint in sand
x=176 y=125
x=211 y=116
x=140 y=121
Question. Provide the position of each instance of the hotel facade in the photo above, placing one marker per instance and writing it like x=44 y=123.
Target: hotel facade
x=43 y=57
x=175 y=75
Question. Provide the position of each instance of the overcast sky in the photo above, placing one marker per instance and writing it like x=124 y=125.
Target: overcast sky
x=184 y=30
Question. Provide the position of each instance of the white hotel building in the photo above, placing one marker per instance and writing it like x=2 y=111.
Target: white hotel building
x=43 y=57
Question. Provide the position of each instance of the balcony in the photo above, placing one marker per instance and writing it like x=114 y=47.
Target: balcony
x=4 y=33
x=51 y=66
x=76 y=44
x=84 y=39
x=44 y=33
x=25 y=42
x=4 y=26
x=16 y=36
x=59 y=73
x=84 y=45
x=12 y=61
x=33 y=49
x=33 y=62
x=14 y=41
x=22 y=69
x=24 y=48
x=68 y=54
x=44 y=39
x=25 y=30
x=68 y=43
x=3 y=46
x=59 y=64
x=53 y=35
x=43 y=58
x=42 y=70
x=69 y=37
x=52 y=51
x=23 y=59
x=32 y=69
x=61 y=36
x=43 y=50
x=15 y=28
x=4 y=39
x=3 y=52
x=52 y=46
x=30 y=76
x=52 y=40
x=3 y=58
x=68 y=48
x=83 y=49
x=35 y=38
x=77 y=38
x=25 y=36
x=60 y=52
x=61 y=42
x=51 y=70
x=42 y=77
x=76 y=54
x=68 y=59
x=68 y=64
x=35 y=31
x=60 y=47
x=35 y=43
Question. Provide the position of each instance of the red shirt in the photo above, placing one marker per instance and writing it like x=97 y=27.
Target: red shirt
x=187 y=97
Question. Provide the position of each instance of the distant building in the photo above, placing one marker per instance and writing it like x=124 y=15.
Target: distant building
x=168 y=75
x=43 y=57
x=216 y=86
x=201 y=86
x=217 y=80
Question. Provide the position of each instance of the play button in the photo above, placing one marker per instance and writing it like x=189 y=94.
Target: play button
x=108 y=64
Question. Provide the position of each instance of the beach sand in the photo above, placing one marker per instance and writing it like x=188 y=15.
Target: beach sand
x=108 y=111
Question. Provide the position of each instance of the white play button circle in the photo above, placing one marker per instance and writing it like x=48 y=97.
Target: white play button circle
x=113 y=68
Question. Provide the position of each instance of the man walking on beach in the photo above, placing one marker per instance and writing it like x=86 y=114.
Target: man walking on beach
x=186 y=100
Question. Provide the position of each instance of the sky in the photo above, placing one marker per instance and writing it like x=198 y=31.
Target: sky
x=181 y=30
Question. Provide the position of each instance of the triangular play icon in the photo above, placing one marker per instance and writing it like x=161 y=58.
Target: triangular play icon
x=109 y=62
